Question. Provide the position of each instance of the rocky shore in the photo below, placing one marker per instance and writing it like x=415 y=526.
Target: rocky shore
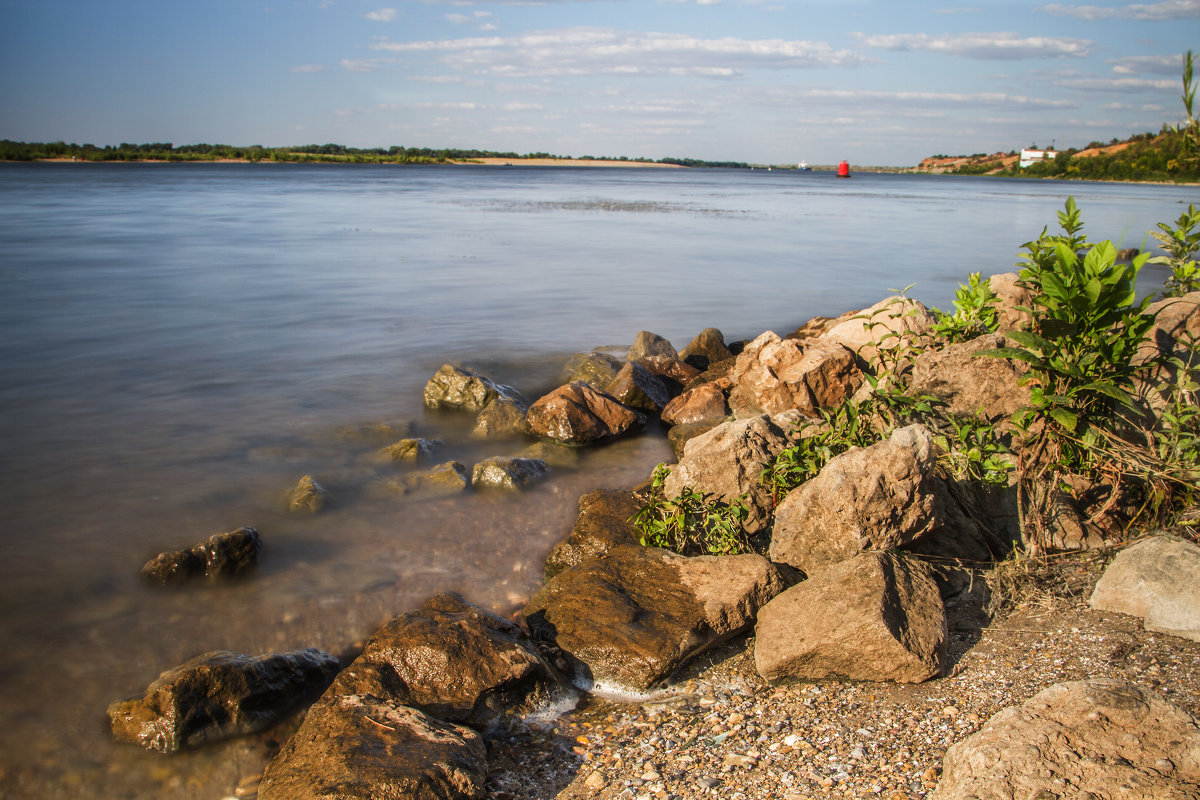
x=875 y=630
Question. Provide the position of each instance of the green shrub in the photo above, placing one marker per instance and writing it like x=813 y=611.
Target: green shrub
x=692 y=523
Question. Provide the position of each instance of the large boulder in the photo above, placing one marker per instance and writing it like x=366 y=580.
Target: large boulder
x=1156 y=580
x=650 y=344
x=219 y=695
x=630 y=618
x=894 y=322
x=507 y=472
x=971 y=384
x=675 y=374
x=705 y=402
x=224 y=555
x=727 y=463
x=638 y=387
x=706 y=349
x=453 y=660
x=603 y=523
x=873 y=498
x=458 y=387
x=773 y=375
x=875 y=617
x=364 y=747
x=1097 y=738
x=581 y=415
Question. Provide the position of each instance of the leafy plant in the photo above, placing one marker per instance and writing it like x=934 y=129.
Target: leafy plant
x=838 y=430
x=974 y=311
x=1181 y=244
x=692 y=523
x=973 y=450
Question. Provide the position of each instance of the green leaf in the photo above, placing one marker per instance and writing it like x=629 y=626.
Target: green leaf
x=1065 y=418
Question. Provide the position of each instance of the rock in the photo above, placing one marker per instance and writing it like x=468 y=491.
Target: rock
x=717 y=373
x=1082 y=514
x=706 y=349
x=1096 y=738
x=375 y=433
x=970 y=384
x=894 y=322
x=603 y=523
x=875 y=617
x=1176 y=319
x=458 y=387
x=638 y=387
x=1010 y=299
x=360 y=747
x=819 y=326
x=727 y=462
x=308 y=497
x=674 y=373
x=595 y=368
x=220 y=695
x=774 y=375
x=874 y=498
x=454 y=661
x=224 y=555
x=501 y=472
x=444 y=479
x=705 y=402
x=650 y=344
x=1156 y=580
x=412 y=449
x=633 y=616
x=679 y=435
x=503 y=416
x=578 y=414
x=1127 y=253
x=553 y=453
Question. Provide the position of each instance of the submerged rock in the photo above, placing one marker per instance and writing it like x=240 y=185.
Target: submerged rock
x=458 y=387
x=504 y=472
x=410 y=450
x=594 y=368
x=503 y=416
x=219 y=695
x=224 y=555
x=308 y=497
x=444 y=479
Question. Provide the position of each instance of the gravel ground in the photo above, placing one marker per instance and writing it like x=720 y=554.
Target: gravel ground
x=721 y=731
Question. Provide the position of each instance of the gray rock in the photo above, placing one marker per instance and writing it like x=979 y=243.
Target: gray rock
x=308 y=497
x=458 y=387
x=363 y=747
x=224 y=555
x=1098 y=738
x=219 y=695
x=581 y=415
x=875 y=617
x=633 y=616
x=650 y=344
x=504 y=472
x=1156 y=580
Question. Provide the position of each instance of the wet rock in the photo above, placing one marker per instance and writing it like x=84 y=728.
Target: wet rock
x=892 y=323
x=970 y=384
x=674 y=373
x=219 y=695
x=631 y=617
x=875 y=617
x=679 y=435
x=638 y=387
x=1088 y=739
x=308 y=497
x=458 y=387
x=224 y=555
x=554 y=454
x=603 y=523
x=705 y=402
x=444 y=479
x=410 y=450
x=503 y=472
x=650 y=344
x=727 y=462
x=706 y=349
x=502 y=417
x=578 y=414
x=594 y=368
x=454 y=661
x=774 y=375
x=363 y=747
x=875 y=498
x=1156 y=580
x=375 y=433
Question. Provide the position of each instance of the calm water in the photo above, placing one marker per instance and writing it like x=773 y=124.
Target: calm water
x=179 y=344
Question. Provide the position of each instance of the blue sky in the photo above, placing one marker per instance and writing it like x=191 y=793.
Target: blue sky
x=747 y=80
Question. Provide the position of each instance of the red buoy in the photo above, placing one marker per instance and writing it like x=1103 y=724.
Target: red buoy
x=843 y=170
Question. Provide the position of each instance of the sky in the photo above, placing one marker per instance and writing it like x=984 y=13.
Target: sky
x=762 y=81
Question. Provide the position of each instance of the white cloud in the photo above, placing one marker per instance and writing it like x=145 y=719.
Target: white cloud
x=1118 y=84
x=606 y=51
x=1142 y=65
x=360 y=64
x=1153 y=12
x=382 y=15
x=1006 y=46
x=308 y=68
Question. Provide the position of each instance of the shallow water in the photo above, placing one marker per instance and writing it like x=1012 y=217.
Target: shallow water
x=180 y=343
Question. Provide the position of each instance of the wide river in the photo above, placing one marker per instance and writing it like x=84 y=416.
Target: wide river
x=180 y=343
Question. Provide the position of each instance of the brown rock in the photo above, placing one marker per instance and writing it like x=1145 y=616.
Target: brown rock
x=774 y=375
x=505 y=472
x=603 y=523
x=971 y=384
x=224 y=555
x=638 y=387
x=458 y=387
x=503 y=416
x=705 y=402
x=650 y=344
x=409 y=449
x=706 y=349
x=1097 y=738
x=1156 y=580
x=894 y=322
x=633 y=616
x=362 y=747
x=595 y=368
x=308 y=497
x=875 y=617
x=679 y=435
x=578 y=414
x=819 y=326
x=444 y=479
x=219 y=695
x=1009 y=302
x=674 y=373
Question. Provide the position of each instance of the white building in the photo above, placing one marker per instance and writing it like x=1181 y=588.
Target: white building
x=1033 y=156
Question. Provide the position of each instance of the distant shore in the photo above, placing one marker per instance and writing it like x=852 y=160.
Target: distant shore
x=564 y=162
